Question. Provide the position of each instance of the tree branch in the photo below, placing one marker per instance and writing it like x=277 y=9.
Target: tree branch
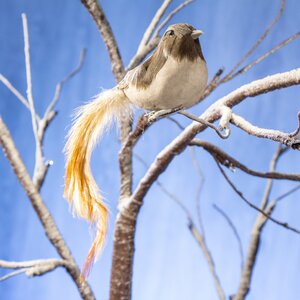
x=201 y=177
x=256 y=233
x=266 y=215
x=170 y=16
x=231 y=163
x=149 y=31
x=234 y=230
x=258 y=42
x=284 y=138
x=38 y=145
x=19 y=96
x=60 y=85
x=96 y=11
x=264 y=56
x=208 y=124
x=199 y=237
x=147 y=43
x=201 y=241
x=31 y=268
x=41 y=210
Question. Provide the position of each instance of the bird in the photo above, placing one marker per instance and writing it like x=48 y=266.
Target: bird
x=173 y=77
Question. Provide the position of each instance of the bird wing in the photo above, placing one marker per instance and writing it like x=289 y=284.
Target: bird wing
x=142 y=75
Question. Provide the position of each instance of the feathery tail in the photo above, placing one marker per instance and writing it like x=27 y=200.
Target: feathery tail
x=80 y=186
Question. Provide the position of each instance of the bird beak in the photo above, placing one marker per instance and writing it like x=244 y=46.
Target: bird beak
x=196 y=33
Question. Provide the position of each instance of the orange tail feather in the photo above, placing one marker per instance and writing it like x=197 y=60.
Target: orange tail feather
x=80 y=187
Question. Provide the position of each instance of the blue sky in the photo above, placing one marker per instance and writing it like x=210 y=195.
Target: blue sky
x=168 y=263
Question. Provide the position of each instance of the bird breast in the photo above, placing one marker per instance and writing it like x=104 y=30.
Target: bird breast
x=178 y=83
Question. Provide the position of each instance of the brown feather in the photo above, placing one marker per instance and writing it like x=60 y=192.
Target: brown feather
x=180 y=46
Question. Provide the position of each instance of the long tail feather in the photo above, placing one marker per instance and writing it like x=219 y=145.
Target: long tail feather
x=80 y=187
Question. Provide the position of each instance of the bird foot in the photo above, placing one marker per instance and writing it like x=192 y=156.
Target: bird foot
x=154 y=115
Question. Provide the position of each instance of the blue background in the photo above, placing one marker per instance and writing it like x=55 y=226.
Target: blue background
x=168 y=262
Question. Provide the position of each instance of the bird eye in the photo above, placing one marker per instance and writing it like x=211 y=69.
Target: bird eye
x=170 y=32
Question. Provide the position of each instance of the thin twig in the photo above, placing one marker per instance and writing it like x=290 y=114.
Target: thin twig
x=208 y=257
x=256 y=232
x=264 y=56
x=234 y=230
x=60 y=85
x=199 y=237
x=96 y=11
x=41 y=210
x=199 y=188
x=282 y=224
x=28 y=78
x=296 y=133
x=204 y=122
x=284 y=138
x=272 y=167
x=212 y=85
x=175 y=122
x=9 y=85
x=145 y=47
x=157 y=17
x=228 y=161
x=40 y=167
x=143 y=52
x=171 y=195
x=258 y=42
x=288 y=193
x=170 y=16
x=31 y=268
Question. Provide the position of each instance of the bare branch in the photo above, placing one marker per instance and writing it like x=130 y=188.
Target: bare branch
x=171 y=195
x=175 y=122
x=31 y=268
x=201 y=241
x=196 y=234
x=212 y=85
x=7 y=83
x=231 y=163
x=96 y=11
x=234 y=230
x=267 y=215
x=261 y=86
x=142 y=125
x=275 y=135
x=288 y=193
x=170 y=16
x=139 y=56
x=157 y=17
x=40 y=167
x=296 y=133
x=41 y=210
x=208 y=124
x=258 y=42
x=252 y=252
x=272 y=167
x=148 y=44
x=199 y=188
x=264 y=56
x=256 y=233
x=29 y=81
x=60 y=85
